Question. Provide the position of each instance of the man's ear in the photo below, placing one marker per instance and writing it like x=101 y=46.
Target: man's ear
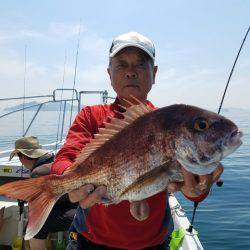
x=109 y=72
x=154 y=73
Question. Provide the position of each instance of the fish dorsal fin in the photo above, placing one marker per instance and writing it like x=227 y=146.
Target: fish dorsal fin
x=136 y=110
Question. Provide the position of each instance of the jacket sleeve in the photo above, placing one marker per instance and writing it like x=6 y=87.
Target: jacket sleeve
x=42 y=170
x=80 y=133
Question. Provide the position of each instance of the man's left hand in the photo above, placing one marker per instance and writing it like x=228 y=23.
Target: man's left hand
x=198 y=185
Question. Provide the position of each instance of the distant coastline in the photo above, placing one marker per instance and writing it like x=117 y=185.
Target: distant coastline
x=55 y=106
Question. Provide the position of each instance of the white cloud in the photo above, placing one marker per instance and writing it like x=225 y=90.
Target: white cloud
x=183 y=84
x=29 y=34
x=92 y=43
x=54 y=32
x=202 y=87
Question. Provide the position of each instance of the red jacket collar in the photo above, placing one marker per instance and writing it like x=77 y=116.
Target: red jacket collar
x=114 y=105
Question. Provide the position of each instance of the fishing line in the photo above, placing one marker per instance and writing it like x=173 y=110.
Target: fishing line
x=190 y=229
x=60 y=111
x=219 y=183
x=74 y=82
x=24 y=81
x=19 y=239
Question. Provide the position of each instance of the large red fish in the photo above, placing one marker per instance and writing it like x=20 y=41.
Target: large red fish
x=135 y=157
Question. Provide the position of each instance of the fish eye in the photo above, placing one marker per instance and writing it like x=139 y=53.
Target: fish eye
x=201 y=125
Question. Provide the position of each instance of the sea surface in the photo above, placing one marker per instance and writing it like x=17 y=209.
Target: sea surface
x=222 y=220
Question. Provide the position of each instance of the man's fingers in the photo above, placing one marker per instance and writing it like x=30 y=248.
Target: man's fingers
x=205 y=182
x=217 y=173
x=80 y=193
x=195 y=185
x=94 y=197
x=191 y=191
x=174 y=186
x=189 y=178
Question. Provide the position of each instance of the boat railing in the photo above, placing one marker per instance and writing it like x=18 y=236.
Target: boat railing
x=76 y=96
x=55 y=97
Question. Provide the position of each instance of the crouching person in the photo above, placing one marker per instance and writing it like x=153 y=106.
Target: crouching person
x=39 y=162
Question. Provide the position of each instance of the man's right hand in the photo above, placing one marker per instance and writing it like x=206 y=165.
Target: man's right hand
x=87 y=195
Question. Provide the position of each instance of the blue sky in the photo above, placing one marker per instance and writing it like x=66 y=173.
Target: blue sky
x=196 y=43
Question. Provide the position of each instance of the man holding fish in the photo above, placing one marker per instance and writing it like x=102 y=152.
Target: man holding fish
x=132 y=72
x=120 y=160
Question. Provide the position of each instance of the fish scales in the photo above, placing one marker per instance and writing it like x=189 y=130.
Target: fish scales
x=121 y=160
x=126 y=159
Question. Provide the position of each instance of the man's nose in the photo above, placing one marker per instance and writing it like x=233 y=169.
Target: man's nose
x=131 y=73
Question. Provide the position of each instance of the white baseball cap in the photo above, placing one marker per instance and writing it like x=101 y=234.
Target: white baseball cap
x=132 y=39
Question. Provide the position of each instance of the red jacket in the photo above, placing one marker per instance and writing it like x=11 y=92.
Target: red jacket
x=112 y=225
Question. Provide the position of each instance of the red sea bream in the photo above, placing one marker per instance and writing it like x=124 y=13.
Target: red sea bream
x=135 y=157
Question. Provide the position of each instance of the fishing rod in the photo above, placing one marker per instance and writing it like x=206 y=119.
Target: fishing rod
x=219 y=183
x=232 y=70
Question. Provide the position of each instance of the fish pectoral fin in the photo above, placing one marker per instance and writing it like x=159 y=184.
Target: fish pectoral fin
x=147 y=179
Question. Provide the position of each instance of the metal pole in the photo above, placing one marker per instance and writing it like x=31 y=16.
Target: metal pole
x=26 y=97
x=64 y=108
x=33 y=119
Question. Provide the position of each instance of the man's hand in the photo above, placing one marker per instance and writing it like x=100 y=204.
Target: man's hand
x=41 y=170
x=87 y=195
x=197 y=185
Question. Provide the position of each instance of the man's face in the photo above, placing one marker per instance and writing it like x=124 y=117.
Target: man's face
x=25 y=162
x=132 y=73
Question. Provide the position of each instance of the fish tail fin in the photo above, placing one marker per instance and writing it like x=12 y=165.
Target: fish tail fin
x=39 y=210
x=40 y=199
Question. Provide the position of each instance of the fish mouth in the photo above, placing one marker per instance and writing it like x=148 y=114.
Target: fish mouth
x=234 y=139
x=232 y=142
